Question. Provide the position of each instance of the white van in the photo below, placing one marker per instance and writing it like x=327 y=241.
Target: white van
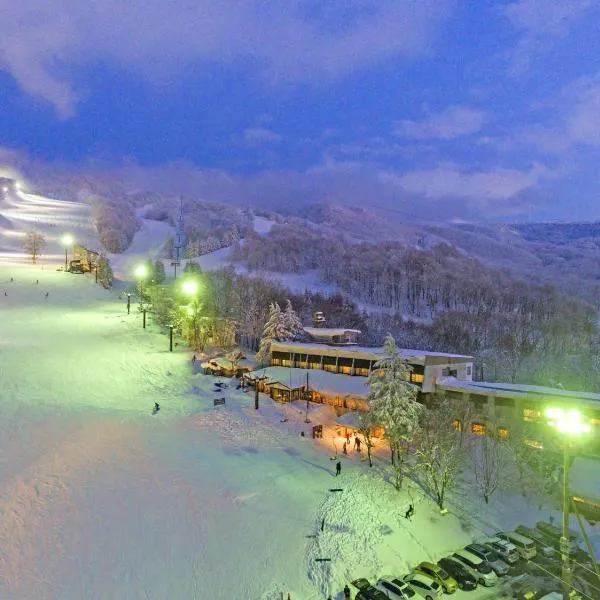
x=525 y=546
x=479 y=568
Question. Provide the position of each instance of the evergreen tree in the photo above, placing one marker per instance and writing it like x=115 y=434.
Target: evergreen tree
x=393 y=403
x=105 y=274
x=291 y=322
x=274 y=330
x=159 y=272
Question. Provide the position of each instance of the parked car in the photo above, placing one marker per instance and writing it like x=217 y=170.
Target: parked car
x=507 y=551
x=466 y=581
x=480 y=568
x=395 y=589
x=492 y=558
x=448 y=583
x=544 y=545
x=425 y=586
x=528 y=587
x=526 y=546
x=554 y=533
x=366 y=591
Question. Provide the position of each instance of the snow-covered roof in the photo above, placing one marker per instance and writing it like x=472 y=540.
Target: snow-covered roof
x=316 y=331
x=350 y=419
x=364 y=352
x=510 y=390
x=320 y=381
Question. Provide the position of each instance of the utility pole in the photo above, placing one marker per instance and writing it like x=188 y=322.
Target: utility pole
x=256 y=394
x=170 y=338
x=306 y=419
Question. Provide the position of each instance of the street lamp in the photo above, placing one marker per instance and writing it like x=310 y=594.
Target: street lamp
x=67 y=240
x=570 y=425
x=190 y=287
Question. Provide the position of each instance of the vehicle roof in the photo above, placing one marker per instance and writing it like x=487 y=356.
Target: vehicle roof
x=505 y=543
x=518 y=536
x=421 y=577
x=468 y=555
x=429 y=565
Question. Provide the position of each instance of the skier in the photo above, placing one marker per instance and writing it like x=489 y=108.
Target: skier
x=344 y=448
x=194 y=359
x=357 y=443
x=409 y=513
x=37 y=281
x=346 y=592
x=348 y=436
x=156 y=408
x=47 y=294
x=338 y=468
x=11 y=280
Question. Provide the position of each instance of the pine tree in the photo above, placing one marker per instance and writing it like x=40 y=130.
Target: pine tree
x=291 y=322
x=159 y=272
x=274 y=330
x=105 y=274
x=393 y=403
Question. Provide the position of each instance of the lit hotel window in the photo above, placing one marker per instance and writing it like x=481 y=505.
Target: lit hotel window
x=595 y=421
x=478 y=428
x=417 y=378
x=502 y=433
x=529 y=414
x=534 y=444
x=456 y=424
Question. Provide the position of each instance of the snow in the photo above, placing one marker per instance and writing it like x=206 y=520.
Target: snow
x=262 y=225
x=100 y=499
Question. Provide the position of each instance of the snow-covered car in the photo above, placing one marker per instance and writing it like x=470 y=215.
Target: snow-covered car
x=448 y=583
x=507 y=551
x=425 y=586
x=492 y=558
x=480 y=568
x=366 y=591
x=526 y=546
x=395 y=589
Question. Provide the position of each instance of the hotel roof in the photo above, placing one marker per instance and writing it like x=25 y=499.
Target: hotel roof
x=369 y=352
x=510 y=390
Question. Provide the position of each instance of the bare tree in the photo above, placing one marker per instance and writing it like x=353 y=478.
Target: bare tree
x=33 y=244
x=367 y=423
x=491 y=462
x=441 y=452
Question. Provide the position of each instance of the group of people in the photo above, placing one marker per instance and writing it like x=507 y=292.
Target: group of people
x=357 y=443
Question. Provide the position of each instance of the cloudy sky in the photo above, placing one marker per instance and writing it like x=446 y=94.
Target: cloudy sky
x=474 y=110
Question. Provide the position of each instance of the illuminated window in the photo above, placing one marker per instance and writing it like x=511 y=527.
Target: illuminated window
x=456 y=424
x=417 y=378
x=361 y=371
x=595 y=421
x=478 y=428
x=534 y=444
x=502 y=433
x=530 y=414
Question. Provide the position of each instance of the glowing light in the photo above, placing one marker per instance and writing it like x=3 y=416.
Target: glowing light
x=190 y=311
x=190 y=287
x=569 y=422
x=141 y=271
x=67 y=240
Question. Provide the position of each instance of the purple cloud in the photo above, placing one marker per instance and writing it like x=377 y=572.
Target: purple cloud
x=297 y=40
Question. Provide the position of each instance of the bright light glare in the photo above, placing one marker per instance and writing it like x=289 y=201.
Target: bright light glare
x=567 y=421
x=141 y=271
x=190 y=287
x=67 y=239
x=190 y=311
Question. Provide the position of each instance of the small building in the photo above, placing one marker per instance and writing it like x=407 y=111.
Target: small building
x=221 y=365
x=281 y=386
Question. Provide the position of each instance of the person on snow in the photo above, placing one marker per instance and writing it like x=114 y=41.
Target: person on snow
x=357 y=443
x=348 y=436
x=344 y=448
x=346 y=591
x=338 y=468
x=409 y=513
x=156 y=408
x=47 y=294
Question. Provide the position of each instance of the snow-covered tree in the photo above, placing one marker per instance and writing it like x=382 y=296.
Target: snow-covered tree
x=366 y=424
x=440 y=450
x=280 y=326
x=291 y=322
x=33 y=244
x=491 y=461
x=159 y=275
x=105 y=274
x=393 y=403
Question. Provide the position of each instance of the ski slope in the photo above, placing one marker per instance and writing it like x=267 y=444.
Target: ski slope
x=99 y=499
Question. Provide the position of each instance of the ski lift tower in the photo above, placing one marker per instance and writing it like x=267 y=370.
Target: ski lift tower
x=179 y=245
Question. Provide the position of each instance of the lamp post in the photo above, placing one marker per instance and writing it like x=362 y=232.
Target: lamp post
x=67 y=240
x=128 y=302
x=570 y=425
